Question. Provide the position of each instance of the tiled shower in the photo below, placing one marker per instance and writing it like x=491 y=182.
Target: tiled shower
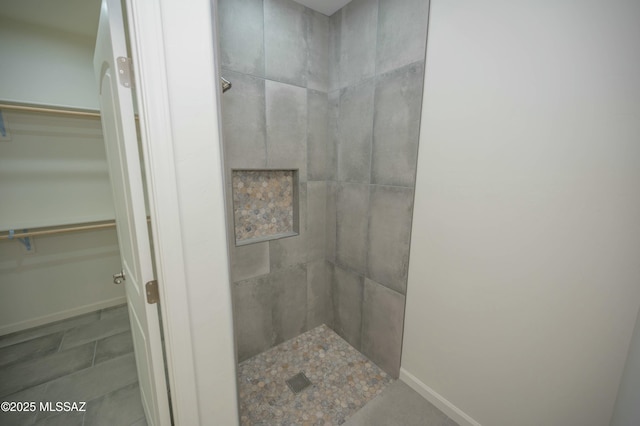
x=338 y=100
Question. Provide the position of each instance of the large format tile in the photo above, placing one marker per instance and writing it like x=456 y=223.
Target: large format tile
x=95 y=331
x=319 y=304
x=252 y=301
x=285 y=41
x=114 y=312
x=333 y=135
x=244 y=128
x=397 y=126
x=355 y=130
x=331 y=221
x=291 y=251
x=358 y=41
x=121 y=407
x=94 y=382
x=54 y=327
x=398 y=404
x=113 y=347
x=347 y=292
x=71 y=418
x=30 y=349
x=316 y=220
x=289 y=311
x=402 y=33
x=241 y=29
x=382 y=322
x=317 y=135
x=17 y=377
x=287 y=127
x=389 y=235
x=249 y=261
x=318 y=42
x=335 y=27
x=351 y=239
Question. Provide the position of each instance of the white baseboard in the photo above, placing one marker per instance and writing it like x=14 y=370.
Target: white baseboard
x=436 y=399
x=24 y=325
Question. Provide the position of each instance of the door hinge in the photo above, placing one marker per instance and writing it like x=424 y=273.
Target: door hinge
x=125 y=72
x=153 y=295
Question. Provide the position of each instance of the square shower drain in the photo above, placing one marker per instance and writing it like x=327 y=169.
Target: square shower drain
x=298 y=383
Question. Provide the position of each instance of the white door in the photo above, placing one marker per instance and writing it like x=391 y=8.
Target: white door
x=118 y=125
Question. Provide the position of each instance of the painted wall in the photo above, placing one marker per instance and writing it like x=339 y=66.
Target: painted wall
x=377 y=62
x=53 y=171
x=46 y=66
x=523 y=278
x=627 y=410
x=275 y=116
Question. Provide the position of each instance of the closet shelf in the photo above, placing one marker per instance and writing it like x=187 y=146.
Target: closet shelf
x=52 y=230
x=10 y=106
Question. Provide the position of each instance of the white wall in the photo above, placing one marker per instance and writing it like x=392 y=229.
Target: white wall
x=52 y=172
x=627 y=409
x=523 y=281
x=44 y=66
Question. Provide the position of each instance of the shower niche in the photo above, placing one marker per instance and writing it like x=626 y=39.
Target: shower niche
x=265 y=204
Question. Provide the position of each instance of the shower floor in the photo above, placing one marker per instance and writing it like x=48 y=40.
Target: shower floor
x=343 y=381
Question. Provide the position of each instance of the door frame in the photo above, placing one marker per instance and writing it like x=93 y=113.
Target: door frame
x=173 y=47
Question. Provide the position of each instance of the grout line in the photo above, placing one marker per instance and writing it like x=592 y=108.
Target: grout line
x=95 y=350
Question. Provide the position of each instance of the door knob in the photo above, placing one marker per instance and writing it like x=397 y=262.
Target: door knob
x=119 y=277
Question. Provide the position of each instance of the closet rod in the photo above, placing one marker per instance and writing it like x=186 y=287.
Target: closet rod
x=49 y=110
x=106 y=225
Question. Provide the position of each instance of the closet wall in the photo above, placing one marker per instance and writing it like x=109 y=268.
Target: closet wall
x=53 y=171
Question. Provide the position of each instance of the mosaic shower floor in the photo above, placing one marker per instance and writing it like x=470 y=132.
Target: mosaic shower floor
x=343 y=381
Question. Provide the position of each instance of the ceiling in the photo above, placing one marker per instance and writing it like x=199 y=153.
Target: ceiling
x=79 y=17
x=327 y=7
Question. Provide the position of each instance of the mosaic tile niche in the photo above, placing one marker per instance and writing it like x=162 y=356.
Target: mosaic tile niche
x=265 y=205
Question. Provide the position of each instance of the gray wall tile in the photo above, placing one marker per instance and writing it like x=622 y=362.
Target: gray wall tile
x=94 y=331
x=318 y=135
x=382 y=324
x=241 y=26
x=335 y=26
x=115 y=311
x=316 y=219
x=244 y=129
x=389 y=236
x=286 y=50
x=352 y=212
x=318 y=42
x=355 y=127
x=331 y=221
x=332 y=135
x=289 y=288
x=292 y=250
x=319 y=303
x=71 y=418
x=397 y=126
x=402 y=33
x=358 y=41
x=23 y=418
x=249 y=261
x=287 y=127
x=347 y=291
x=252 y=303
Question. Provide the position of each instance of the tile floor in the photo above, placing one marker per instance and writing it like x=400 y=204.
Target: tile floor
x=86 y=358
x=343 y=381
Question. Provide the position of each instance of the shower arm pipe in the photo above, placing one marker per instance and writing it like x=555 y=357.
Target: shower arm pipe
x=47 y=109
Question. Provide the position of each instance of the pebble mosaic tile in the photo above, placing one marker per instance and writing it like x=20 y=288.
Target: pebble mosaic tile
x=343 y=381
x=263 y=203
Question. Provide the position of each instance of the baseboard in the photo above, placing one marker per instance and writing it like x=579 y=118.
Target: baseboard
x=436 y=399
x=46 y=319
